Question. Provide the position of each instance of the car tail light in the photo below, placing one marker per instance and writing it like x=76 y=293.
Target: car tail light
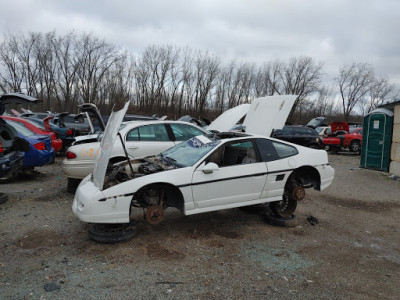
x=40 y=146
x=1 y=147
x=70 y=155
x=69 y=132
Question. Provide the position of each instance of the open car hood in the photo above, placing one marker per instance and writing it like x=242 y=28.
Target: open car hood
x=268 y=113
x=15 y=98
x=106 y=145
x=316 y=122
x=229 y=118
x=93 y=112
x=336 y=126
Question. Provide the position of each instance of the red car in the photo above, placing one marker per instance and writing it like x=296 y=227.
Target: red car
x=56 y=143
x=342 y=137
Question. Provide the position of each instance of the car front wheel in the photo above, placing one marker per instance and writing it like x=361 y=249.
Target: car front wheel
x=355 y=146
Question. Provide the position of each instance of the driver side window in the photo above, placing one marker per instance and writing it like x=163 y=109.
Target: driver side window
x=236 y=153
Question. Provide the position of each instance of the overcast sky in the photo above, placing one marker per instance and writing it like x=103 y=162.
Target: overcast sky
x=335 y=32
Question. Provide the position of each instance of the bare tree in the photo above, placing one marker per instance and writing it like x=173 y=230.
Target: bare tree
x=12 y=72
x=354 y=84
x=94 y=58
x=301 y=77
x=206 y=69
x=268 y=80
x=380 y=90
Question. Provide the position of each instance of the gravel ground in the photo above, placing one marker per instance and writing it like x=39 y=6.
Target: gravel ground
x=353 y=253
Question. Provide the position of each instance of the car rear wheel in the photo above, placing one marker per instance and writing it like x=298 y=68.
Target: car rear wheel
x=355 y=146
x=284 y=208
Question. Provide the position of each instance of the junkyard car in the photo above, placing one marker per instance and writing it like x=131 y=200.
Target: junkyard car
x=344 y=138
x=300 y=135
x=40 y=151
x=56 y=143
x=140 y=138
x=205 y=173
x=12 y=147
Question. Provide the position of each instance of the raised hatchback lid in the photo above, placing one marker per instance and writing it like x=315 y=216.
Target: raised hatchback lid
x=15 y=98
x=268 y=113
x=229 y=118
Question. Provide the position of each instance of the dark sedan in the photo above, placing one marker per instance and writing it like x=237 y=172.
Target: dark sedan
x=299 y=135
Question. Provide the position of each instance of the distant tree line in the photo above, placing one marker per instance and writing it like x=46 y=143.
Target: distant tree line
x=64 y=71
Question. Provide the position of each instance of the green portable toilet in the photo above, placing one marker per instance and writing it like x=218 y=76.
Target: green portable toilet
x=377 y=139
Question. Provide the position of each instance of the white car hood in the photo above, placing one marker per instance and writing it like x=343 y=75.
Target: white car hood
x=268 y=113
x=229 y=118
x=106 y=145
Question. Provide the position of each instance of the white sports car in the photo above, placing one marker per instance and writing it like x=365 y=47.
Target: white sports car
x=206 y=173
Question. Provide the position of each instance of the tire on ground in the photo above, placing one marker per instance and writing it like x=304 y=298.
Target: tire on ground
x=284 y=208
x=273 y=219
x=112 y=233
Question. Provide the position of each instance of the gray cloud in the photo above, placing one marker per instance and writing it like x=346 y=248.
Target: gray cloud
x=334 y=32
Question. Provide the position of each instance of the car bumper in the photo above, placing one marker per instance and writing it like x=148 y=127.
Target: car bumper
x=38 y=158
x=91 y=206
x=77 y=169
x=327 y=174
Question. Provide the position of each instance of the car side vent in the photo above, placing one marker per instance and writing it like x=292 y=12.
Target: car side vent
x=280 y=177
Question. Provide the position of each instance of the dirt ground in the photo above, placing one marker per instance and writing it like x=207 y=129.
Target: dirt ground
x=353 y=253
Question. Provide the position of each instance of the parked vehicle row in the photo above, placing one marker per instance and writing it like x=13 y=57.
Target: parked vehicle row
x=341 y=136
x=12 y=147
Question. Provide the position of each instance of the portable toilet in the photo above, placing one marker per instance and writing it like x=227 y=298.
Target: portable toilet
x=377 y=138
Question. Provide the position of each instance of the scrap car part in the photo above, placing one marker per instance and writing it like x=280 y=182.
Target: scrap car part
x=155 y=214
x=298 y=193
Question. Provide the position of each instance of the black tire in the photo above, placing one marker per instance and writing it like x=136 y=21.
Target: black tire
x=3 y=198
x=112 y=233
x=272 y=219
x=72 y=184
x=355 y=146
x=284 y=208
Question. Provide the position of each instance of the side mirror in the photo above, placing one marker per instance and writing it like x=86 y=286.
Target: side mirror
x=209 y=168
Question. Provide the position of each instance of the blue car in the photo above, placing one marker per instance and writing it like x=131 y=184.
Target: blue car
x=40 y=150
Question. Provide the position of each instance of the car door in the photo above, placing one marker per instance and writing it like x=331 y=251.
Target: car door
x=148 y=139
x=280 y=160
x=240 y=177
